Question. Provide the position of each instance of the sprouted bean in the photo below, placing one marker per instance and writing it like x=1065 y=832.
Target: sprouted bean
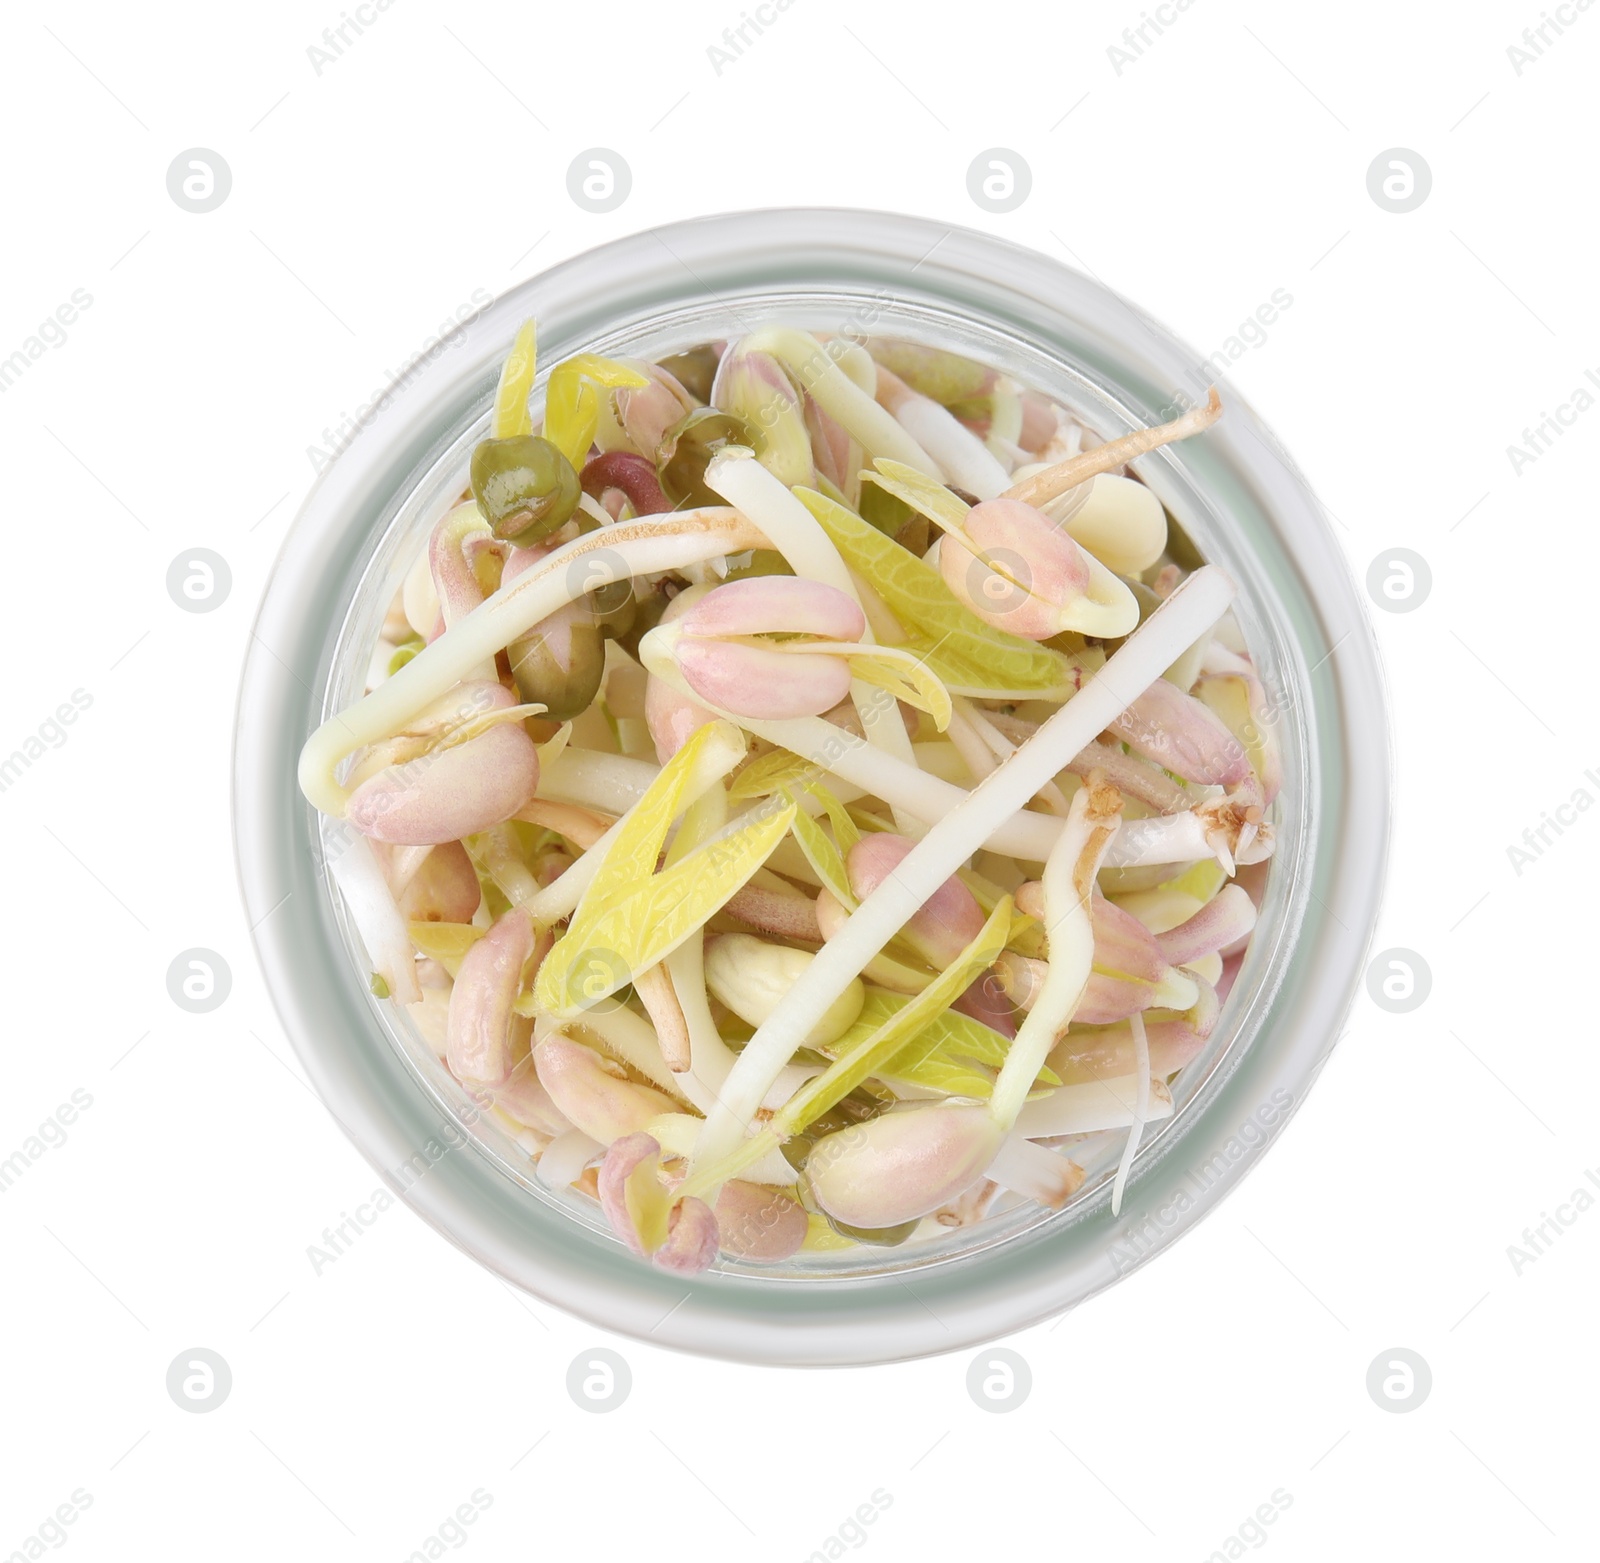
x=815 y=772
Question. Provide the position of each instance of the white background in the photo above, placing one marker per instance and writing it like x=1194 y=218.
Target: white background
x=369 y=201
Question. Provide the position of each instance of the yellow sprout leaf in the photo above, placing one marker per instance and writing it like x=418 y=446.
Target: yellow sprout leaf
x=772 y=773
x=648 y=1204
x=476 y=726
x=968 y=656
x=571 y=415
x=1229 y=696
x=446 y=943
x=632 y=856
x=1202 y=880
x=958 y=1035
x=572 y=405
x=936 y=1073
x=608 y=372
x=844 y=828
x=902 y=673
x=823 y=856
x=511 y=415
x=907 y=677
x=946 y=1043
x=633 y=931
x=887 y=1039
x=1027 y=937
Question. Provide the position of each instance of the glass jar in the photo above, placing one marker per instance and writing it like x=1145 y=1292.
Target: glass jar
x=1234 y=490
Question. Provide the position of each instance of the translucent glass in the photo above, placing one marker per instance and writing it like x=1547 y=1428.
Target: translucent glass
x=1246 y=509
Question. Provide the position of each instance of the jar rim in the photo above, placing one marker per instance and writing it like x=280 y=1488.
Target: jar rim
x=700 y=269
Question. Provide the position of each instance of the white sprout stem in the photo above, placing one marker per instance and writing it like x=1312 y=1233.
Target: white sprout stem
x=886 y=629
x=967 y=741
x=505 y=866
x=1159 y=839
x=646 y=546
x=790 y=528
x=1069 y=938
x=1035 y=1172
x=838 y=396
x=808 y=550
x=565 y=1157
x=880 y=721
x=1091 y=1107
x=592 y=507
x=404 y=865
x=356 y=871
x=998 y=747
x=1141 y=1107
x=1090 y=1150
x=559 y=899
x=790 y=1078
x=592 y=779
x=940 y=757
x=969 y=463
x=1192 y=608
x=900 y=783
x=710 y=1058
x=632 y=1038
x=854 y=359
x=675 y=1134
x=1172 y=838
x=1005 y=419
x=966 y=460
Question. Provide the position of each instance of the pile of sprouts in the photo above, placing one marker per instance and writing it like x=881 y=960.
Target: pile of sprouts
x=809 y=792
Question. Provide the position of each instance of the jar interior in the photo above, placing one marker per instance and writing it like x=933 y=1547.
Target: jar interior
x=1085 y=393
